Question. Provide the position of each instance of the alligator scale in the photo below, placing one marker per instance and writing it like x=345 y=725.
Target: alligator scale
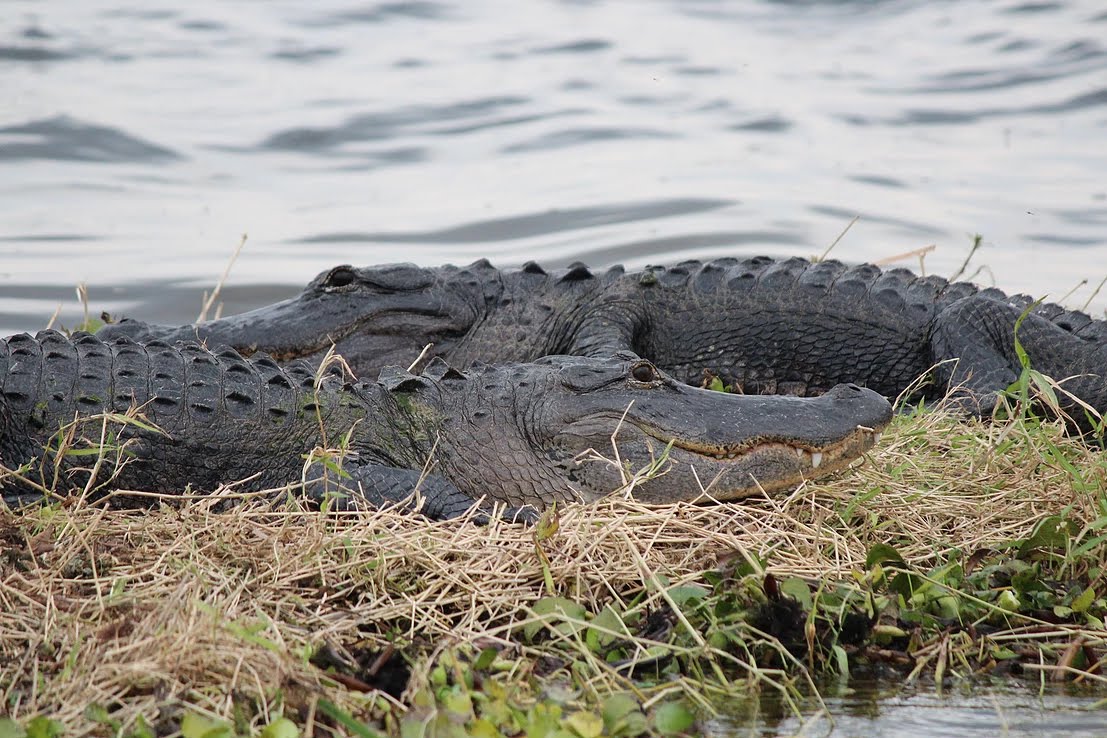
x=516 y=434
x=761 y=324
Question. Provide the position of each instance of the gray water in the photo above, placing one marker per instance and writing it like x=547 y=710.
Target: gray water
x=138 y=141
x=885 y=708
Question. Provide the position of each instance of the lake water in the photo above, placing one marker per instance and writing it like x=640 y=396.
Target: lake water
x=138 y=141
x=886 y=709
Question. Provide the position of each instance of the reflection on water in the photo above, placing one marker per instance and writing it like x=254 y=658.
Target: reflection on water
x=888 y=708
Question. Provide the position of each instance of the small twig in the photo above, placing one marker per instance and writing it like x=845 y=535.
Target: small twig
x=419 y=358
x=210 y=299
x=977 y=239
x=834 y=243
x=54 y=317
x=919 y=252
x=1095 y=292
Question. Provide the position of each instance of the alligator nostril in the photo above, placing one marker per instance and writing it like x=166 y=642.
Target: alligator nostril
x=854 y=387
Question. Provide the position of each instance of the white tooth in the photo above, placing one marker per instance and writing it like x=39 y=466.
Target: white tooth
x=800 y=452
x=816 y=459
x=876 y=437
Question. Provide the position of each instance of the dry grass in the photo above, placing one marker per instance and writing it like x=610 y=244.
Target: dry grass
x=145 y=612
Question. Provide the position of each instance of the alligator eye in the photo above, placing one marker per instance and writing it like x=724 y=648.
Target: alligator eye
x=342 y=276
x=645 y=373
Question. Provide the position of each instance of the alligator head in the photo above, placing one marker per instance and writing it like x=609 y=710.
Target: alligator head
x=567 y=428
x=375 y=315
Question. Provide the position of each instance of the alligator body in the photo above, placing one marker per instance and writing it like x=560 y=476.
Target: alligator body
x=517 y=434
x=764 y=325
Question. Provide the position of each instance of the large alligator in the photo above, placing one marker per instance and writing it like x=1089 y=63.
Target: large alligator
x=518 y=434
x=764 y=325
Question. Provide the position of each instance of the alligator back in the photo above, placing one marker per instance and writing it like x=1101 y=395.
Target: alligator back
x=796 y=326
x=196 y=417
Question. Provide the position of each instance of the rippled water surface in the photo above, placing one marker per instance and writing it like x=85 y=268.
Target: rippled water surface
x=882 y=709
x=138 y=141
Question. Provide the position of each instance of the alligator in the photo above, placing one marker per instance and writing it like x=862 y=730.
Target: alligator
x=524 y=435
x=760 y=324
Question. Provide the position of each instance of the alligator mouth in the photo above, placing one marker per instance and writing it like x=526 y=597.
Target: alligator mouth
x=431 y=324
x=760 y=465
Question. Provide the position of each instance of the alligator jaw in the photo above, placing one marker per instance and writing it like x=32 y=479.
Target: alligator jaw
x=763 y=465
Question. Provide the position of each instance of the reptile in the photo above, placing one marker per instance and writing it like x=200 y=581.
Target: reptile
x=520 y=434
x=762 y=325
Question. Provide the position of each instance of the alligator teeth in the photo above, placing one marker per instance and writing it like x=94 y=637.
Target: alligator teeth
x=816 y=459
x=800 y=453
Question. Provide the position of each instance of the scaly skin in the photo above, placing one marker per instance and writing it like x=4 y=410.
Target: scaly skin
x=518 y=434
x=764 y=325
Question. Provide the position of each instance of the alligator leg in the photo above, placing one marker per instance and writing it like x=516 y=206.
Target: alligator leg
x=974 y=339
x=381 y=485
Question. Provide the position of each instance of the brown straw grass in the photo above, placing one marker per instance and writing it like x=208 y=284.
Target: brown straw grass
x=176 y=608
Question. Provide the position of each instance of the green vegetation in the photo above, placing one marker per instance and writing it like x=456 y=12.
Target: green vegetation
x=955 y=551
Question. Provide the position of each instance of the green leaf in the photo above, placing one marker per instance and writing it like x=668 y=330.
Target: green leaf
x=882 y=553
x=672 y=718
x=1008 y=601
x=356 y=727
x=603 y=625
x=11 y=729
x=194 y=725
x=552 y=610
x=1084 y=600
x=43 y=727
x=841 y=659
x=282 y=727
x=799 y=591
x=141 y=729
x=481 y=728
x=585 y=724
x=1053 y=532
x=485 y=659
x=682 y=594
x=616 y=708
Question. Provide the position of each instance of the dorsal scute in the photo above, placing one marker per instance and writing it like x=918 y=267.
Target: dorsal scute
x=396 y=379
x=576 y=272
x=438 y=370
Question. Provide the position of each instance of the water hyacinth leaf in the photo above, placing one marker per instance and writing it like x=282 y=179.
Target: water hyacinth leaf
x=11 y=729
x=481 y=728
x=1052 y=532
x=557 y=610
x=617 y=711
x=1084 y=600
x=841 y=660
x=673 y=718
x=882 y=553
x=194 y=725
x=682 y=594
x=280 y=728
x=798 y=590
x=585 y=724
x=604 y=626
x=485 y=659
x=44 y=727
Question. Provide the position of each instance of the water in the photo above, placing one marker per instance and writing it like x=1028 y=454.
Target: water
x=883 y=709
x=138 y=141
